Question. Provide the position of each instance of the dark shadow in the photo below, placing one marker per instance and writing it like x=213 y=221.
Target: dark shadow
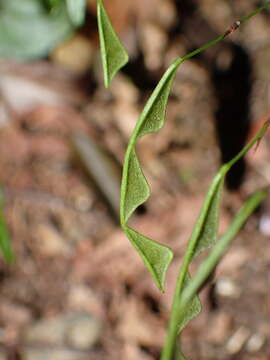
x=151 y=303
x=233 y=87
x=184 y=10
x=139 y=74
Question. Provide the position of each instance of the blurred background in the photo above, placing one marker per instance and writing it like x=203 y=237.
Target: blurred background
x=78 y=290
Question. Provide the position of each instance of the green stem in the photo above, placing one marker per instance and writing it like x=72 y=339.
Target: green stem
x=172 y=333
x=255 y=12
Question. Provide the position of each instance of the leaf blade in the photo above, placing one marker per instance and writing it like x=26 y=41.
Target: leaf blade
x=222 y=245
x=201 y=238
x=113 y=54
x=156 y=257
x=153 y=115
x=209 y=227
x=135 y=189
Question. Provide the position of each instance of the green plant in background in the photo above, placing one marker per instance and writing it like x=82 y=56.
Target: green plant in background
x=135 y=191
x=76 y=10
x=30 y=29
x=5 y=243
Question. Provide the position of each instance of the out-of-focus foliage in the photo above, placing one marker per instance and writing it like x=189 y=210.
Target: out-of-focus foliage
x=29 y=29
x=5 y=243
x=76 y=11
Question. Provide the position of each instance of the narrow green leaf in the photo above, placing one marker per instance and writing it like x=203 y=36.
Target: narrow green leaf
x=221 y=247
x=205 y=231
x=76 y=10
x=5 y=243
x=135 y=189
x=209 y=227
x=153 y=115
x=203 y=237
x=156 y=257
x=113 y=54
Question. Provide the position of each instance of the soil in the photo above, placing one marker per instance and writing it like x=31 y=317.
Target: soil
x=71 y=254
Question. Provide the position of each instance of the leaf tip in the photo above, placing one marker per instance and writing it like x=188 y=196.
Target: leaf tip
x=160 y=279
x=113 y=53
x=156 y=257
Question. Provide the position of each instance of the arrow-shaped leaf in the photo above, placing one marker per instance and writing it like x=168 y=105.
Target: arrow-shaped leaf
x=113 y=54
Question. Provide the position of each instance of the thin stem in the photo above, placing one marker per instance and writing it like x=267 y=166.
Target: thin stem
x=172 y=333
x=255 y=12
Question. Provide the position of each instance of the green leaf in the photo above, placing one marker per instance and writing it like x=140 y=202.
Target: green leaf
x=153 y=115
x=204 y=236
x=221 y=247
x=156 y=257
x=210 y=219
x=205 y=230
x=135 y=189
x=113 y=54
x=28 y=31
x=5 y=243
x=76 y=10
